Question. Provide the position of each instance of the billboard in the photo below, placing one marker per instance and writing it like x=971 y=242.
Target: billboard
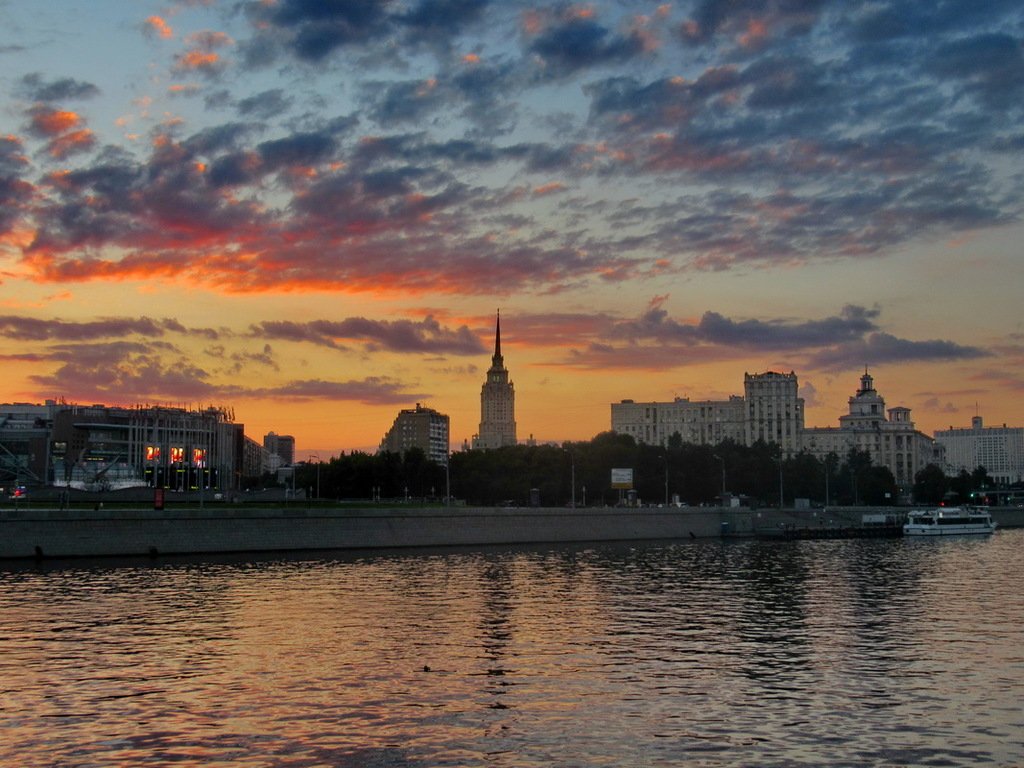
x=622 y=478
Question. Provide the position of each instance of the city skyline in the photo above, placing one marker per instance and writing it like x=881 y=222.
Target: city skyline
x=311 y=212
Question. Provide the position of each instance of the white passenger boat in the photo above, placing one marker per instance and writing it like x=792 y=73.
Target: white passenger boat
x=948 y=521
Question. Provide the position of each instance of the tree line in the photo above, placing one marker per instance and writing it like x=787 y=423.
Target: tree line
x=556 y=475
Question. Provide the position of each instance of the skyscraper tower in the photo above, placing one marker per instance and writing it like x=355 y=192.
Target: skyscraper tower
x=497 y=402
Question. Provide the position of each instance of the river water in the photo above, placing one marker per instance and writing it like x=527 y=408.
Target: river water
x=705 y=653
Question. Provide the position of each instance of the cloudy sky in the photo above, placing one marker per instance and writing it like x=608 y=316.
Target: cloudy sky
x=310 y=210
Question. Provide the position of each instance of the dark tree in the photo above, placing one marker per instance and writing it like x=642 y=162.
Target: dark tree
x=930 y=485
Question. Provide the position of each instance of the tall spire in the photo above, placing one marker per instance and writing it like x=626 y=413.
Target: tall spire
x=497 y=338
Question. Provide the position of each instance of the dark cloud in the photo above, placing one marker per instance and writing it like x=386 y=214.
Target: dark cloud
x=297 y=149
x=883 y=348
x=124 y=372
x=655 y=340
x=714 y=328
x=314 y=29
x=265 y=105
x=406 y=102
x=438 y=21
x=32 y=329
x=373 y=390
x=426 y=336
x=737 y=17
x=580 y=42
x=15 y=192
x=37 y=87
x=989 y=64
x=127 y=372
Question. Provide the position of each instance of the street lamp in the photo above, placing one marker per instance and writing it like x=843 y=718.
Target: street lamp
x=666 y=478
x=723 y=472
x=781 y=497
x=828 y=471
x=572 y=476
x=317 y=457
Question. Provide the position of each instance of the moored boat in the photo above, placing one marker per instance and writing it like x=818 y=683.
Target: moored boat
x=949 y=521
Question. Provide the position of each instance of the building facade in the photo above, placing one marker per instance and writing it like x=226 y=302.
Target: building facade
x=98 y=447
x=887 y=435
x=774 y=410
x=422 y=428
x=101 y=447
x=1000 y=450
x=497 y=402
x=280 y=451
x=703 y=422
x=770 y=410
x=25 y=430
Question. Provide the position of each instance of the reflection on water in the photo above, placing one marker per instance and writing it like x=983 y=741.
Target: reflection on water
x=880 y=652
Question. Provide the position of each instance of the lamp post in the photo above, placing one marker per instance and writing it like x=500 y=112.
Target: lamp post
x=828 y=471
x=781 y=497
x=666 y=478
x=723 y=473
x=317 y=457
x=572 y=478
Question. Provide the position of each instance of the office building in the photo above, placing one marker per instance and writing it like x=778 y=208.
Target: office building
x=774 y=412
x=770 y=410
x=422 y=428
x=1000 y=450
x=280 y=451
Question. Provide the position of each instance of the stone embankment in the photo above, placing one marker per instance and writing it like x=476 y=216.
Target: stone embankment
x=32 y=532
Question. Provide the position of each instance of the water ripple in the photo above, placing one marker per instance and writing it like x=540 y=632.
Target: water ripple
x=883 y=652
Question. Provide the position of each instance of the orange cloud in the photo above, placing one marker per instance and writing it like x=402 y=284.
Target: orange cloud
x=159 y=27
x=548 y=189
x=69 y=143
x=197 y=60
x=53 y=122
x=755 y=34
x=208 y=40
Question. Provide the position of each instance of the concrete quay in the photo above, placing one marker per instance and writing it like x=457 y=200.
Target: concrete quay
x=54 y=533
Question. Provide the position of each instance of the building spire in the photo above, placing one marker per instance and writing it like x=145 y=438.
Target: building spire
x=497 y=338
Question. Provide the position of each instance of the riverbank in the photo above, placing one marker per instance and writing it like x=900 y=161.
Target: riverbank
x=52 y=532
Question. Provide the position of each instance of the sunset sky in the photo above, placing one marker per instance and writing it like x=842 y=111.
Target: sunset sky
x=309 y=211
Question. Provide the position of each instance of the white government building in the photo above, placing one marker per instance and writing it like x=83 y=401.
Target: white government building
x=1000 y=450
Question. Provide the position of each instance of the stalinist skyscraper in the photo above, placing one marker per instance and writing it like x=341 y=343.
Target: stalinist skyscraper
x=497 y=402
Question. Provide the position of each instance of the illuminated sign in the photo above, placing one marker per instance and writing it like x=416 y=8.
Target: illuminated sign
x=199 y=457
x=177 y=455
x=152 y=453
x=622 y=478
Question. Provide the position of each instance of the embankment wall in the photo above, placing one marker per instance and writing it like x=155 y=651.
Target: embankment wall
x=30 y=532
